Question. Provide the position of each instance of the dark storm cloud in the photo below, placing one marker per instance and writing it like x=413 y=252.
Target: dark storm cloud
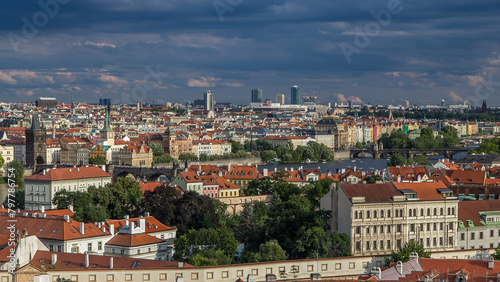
x=92 y=48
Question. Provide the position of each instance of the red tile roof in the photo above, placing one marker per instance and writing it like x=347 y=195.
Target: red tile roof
x=467 y=176
x=382 y=192
x=469 y=210
x=132 y=240
x=52 y=227
x=152 y=224
x=70 y=261
x=426 y=191
x=70 y=173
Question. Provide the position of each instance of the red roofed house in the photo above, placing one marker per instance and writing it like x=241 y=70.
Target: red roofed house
x=407 y=173
x=381 y=217
x=478 y=224
x=41 y=187
x=144 y=238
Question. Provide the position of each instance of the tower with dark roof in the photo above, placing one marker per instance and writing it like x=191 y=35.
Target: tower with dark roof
x=36 y=146
x=484 y=108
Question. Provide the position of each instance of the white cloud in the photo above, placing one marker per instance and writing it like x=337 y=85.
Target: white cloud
x=112 y=79
x=340 y=97
x=202 y=82
x=455 y=97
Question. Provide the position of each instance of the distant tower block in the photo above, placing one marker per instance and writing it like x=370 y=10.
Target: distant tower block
x=295 y=93
x=280 y=99
x=209 y=100
x=256 y=95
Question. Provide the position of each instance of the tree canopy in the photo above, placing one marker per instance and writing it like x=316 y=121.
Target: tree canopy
x=403 y=253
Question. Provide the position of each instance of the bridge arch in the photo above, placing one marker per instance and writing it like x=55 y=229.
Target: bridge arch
x=127 y=175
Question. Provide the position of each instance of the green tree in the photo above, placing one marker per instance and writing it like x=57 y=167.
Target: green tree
x=188 y=157
x=496 y=254
x=270 y=251
x=2 y=161
x=268 y=155
x=317 y=190
x=403 y=253
x=396 y=160
x=99 y=160
x=487 y=147
x=209 y=257
x=359 y=145
x=450 y=137
x=159 y=155
x=18 y=173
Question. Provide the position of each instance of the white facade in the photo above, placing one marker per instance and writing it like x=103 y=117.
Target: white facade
x=7 y=152
x=40 y=192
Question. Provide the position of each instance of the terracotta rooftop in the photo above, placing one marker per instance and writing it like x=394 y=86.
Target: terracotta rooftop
x=70 y=173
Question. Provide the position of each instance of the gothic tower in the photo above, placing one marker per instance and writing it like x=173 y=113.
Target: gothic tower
x=36 y=144
x=107 y=137
x=169 y=142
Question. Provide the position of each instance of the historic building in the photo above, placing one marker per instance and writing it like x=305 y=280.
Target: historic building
x=41 y=187
x=335 y=127
x=36 y=146
x=174 y=144
x=379 y=218
x=136 y=156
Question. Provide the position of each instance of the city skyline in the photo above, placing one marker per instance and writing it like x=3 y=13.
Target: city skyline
x=173 y=51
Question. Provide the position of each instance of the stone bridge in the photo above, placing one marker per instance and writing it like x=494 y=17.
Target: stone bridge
x=409 y=153
x=141 y=173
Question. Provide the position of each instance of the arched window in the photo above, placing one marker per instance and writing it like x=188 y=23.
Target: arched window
x=409 y=212
x=401 y=212
x=374 y=214
x=388 y=213
x=360 y=214
x=368 y=214
x=428 y=211
x=382 y=213
x=414 y=212
x=441 y=211
x=356 y=215
x=453 y=211
x=435 y=211
x=397 y=213
x=421 y=212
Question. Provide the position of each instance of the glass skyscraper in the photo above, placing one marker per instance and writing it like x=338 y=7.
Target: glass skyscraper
x=256 y=95
x=295 y=95
x=209 y=100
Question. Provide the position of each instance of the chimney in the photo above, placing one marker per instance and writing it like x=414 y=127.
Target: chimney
x=146 y=214
x=86 y=260
x=132 y=226
x=355 y=168
x=414 y=255
x=275 y=169
x=42 y=209
x=25 y=214
x=66 y=217
x=54 y=259
x=399 y=267
x=399 y=177
x=126 y=222
x=110 y=262
x=103 y=229
x=70 y=207
x=142 y=223
x=180 y=264
x=377 y=272
x=220 y=173
x=112 y=229
x=328 y=173
x=291 y=169
x=491 y=263
x=82 y=228
x=42 y=215
x=229 y=167
x=265 y=172
x=199 y=169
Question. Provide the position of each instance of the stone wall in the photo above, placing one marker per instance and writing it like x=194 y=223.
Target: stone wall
x=246 y=161
x=341 y=155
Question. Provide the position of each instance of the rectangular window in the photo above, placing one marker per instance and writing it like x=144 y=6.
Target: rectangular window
x=381 y=244
x=239 y=273
x=89 y=247
x=194 y=276
x=99 y=245
x=434 y=241
x=412 y=227
x=310 y=268
x=398 y=228
x=472 y=235
x=462 y=236
x=352 y=265
x=210 y=275
x=74 y=278
x=338 y=266
x=492 y=233
x=398 y=243
x=440 y=241
x=163 y=276
x=358 y=246
x=92 y=277
x=225 y=274
x=450 y=241
x=374 y=245
x=324 y=267
x=389 y=244
x=128 y=277
x=255 y=271
x=480 y=235
x=145 y=277
x=367 y=245
x=110 y=277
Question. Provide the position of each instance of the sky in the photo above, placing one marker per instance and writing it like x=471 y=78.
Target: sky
x=376 y=51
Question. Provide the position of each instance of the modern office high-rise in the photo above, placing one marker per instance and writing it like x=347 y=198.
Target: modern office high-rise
x=295 y=95
x=256 y=95
x=209 y=100
x=280 y=99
